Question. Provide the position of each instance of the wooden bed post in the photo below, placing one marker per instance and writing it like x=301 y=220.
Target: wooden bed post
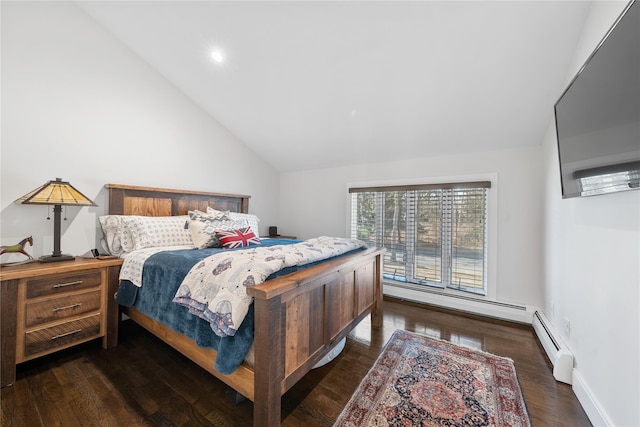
x=269 y=371
x=376 y=310
x=113 y=309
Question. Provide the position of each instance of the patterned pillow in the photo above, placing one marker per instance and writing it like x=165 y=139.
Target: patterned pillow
x=205 y=216
x=117 y=235
x=155 y=231
x=252 y=220
x=203 y=232
x=237 y=238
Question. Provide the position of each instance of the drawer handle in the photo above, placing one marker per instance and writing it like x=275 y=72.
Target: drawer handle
x=66 y=335
x=78 y=304
x=62 y=285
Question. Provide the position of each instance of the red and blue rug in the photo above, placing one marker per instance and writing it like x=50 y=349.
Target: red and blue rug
x=421 y=381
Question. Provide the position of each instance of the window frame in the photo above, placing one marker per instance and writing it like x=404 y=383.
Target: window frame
x=491 y=229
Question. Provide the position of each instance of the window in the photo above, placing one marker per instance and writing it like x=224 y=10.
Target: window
x=434 y=235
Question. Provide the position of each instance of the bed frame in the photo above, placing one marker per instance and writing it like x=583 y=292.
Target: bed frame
x=300 y=316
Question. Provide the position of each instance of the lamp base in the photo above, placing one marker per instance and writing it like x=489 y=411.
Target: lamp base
x=52 y=258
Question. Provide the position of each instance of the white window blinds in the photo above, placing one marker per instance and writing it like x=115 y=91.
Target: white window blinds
x=435 y=234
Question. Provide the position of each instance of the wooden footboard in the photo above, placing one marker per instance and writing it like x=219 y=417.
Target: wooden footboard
x=299 y=317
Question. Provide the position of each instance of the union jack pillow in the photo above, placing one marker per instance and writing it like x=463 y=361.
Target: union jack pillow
x=239 y=238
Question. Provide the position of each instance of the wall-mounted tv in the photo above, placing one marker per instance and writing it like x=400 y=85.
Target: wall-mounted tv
x=598 y=115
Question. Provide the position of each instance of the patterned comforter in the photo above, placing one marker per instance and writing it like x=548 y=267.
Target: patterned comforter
x=215 y=288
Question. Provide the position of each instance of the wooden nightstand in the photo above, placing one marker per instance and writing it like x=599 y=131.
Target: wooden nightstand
x=51 y=306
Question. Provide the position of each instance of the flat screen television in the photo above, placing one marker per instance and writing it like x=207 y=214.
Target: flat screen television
x=598 y=115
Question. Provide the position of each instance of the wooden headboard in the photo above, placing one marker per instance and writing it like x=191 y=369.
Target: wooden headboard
x=149 y=201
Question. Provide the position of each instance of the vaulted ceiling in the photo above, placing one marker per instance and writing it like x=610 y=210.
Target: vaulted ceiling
x=322 y=84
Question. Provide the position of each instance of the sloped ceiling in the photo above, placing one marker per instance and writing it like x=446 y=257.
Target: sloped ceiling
x=311 y=85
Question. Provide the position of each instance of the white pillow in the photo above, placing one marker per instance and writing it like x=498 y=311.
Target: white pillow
x=252 y=220
x=155 y=231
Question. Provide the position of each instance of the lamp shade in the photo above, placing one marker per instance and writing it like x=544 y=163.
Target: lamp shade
x=56 y=193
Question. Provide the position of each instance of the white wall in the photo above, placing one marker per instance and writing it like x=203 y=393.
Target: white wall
x=78 y=105
x=592 y=273
x=315 y=203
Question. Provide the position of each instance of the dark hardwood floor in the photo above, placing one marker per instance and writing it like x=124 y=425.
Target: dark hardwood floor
x=143 y=382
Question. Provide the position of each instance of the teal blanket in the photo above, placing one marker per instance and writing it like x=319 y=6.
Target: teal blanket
x=162 y=275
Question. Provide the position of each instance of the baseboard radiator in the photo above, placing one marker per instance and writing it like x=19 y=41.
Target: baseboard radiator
x=557 y=351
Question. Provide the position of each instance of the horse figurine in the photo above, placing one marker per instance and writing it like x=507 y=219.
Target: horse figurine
x=18 y=248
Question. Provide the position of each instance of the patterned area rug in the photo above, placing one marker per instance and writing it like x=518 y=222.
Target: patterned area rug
x=420 y=381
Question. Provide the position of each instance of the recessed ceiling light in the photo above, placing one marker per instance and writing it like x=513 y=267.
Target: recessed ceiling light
x=217 y=56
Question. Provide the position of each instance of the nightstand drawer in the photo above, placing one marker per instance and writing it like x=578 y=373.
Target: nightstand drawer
x=64 y=283
x=64 y=306
x=41 y=340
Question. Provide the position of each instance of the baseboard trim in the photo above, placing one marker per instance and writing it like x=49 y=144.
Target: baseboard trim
x=590 y=404
x=498 y=310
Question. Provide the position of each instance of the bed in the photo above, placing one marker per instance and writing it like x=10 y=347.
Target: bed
x=301 y=316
